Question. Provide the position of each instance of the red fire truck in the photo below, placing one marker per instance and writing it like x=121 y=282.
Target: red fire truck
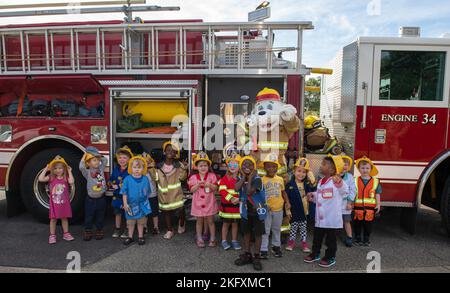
x=388 y=99
x=65 y=86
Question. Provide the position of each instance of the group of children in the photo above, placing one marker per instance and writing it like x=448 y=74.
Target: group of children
x=257 y=205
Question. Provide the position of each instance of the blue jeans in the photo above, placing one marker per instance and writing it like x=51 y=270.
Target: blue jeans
x=94 y=208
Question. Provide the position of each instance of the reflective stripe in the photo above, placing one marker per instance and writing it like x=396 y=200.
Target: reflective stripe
x=229 y=215
x=285 y=228
x=222 y=187
x=172 y=206
x=169 y=187
x=281 y=171
x=362 y=200
x=273 y=145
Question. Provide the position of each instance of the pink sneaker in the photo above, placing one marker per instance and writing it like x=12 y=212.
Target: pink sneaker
x=290 y=245
x=305 y=247
x=68 y=237
x=52 y=239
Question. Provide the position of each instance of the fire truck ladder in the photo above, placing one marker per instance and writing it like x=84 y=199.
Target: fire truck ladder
x=163 y=48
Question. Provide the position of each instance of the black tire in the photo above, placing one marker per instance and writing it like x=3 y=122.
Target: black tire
x=445 y=206
x=34 y=195
x=409 y=220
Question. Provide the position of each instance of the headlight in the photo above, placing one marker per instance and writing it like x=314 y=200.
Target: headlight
x=99 y=134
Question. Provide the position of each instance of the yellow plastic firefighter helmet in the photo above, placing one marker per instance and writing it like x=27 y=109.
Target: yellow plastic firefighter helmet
x=303 y=163
x=124 y=150
x=250 y=158
x=174 y=145
x=233 y=157
x=271 y=158
x=137 y=158
x=373 y=171
x=338 y=163
x=312 y=121
x=201 y=156
x=58 y=160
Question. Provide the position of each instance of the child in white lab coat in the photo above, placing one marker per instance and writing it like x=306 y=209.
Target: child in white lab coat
x=328 y=198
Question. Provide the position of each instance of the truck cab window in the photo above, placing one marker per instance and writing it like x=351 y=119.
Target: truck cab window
x=412 y=75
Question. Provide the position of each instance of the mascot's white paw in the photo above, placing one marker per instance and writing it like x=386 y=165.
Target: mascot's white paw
x=288 y=112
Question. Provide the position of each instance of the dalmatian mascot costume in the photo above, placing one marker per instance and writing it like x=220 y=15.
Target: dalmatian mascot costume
x=271 y=124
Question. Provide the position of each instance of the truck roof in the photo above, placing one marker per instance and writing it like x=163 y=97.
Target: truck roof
x=404 y=41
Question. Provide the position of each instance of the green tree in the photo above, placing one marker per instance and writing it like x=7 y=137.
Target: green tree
x=312 y=99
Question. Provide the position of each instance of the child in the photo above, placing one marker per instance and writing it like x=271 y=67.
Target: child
x=136 y=190
x=347 y=204
x=253 y=211
x=92 y=166
x=120 y=172
x=170 y=173
x=297 y=189
x=153 y=199
x=204 y=205
x=331 y=190
x=59 y=179
x=367 y=202
x=277 y=200
x=229 y=208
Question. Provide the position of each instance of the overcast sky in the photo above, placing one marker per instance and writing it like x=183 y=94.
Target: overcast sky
x=337 y=23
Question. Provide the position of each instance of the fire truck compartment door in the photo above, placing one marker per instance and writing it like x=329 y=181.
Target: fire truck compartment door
x=58 y=84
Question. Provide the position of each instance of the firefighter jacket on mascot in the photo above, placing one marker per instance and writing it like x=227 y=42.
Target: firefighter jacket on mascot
x=270 y=126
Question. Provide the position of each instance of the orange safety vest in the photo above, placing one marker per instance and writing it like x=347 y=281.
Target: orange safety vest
x=365 y=201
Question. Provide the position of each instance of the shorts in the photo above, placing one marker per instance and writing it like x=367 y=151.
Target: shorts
x=154 y=205
x=118 y=211
x=230 y=221
x=347 y=218
x=252 y=225
x=141 y=221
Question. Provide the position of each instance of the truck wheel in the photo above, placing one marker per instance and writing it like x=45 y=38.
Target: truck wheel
x=35 y=195
x=409 y=219
x=445 y=206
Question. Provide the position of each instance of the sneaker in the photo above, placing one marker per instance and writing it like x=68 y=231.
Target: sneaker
x=264 y=255
x=168 y=235
x=141 y=241
x=348 y=242
x=244 y=259
x=290 y=245
x=212 y=243
x=68 y=237
x=235 y=244
x=357 y=242
x=182 y=229
x=257 y=266
x=327 y=262
x=99 y=235
x=124 y=234
x=206 y=237
x=311 y=258
x=155 y=231
x=305 y=247
x=200 y=243
x=225 y=245
x=116 y=233
x=366 y=243
x=128 y=241
x=276 y=250
x=52 y=239
x=87 y=236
